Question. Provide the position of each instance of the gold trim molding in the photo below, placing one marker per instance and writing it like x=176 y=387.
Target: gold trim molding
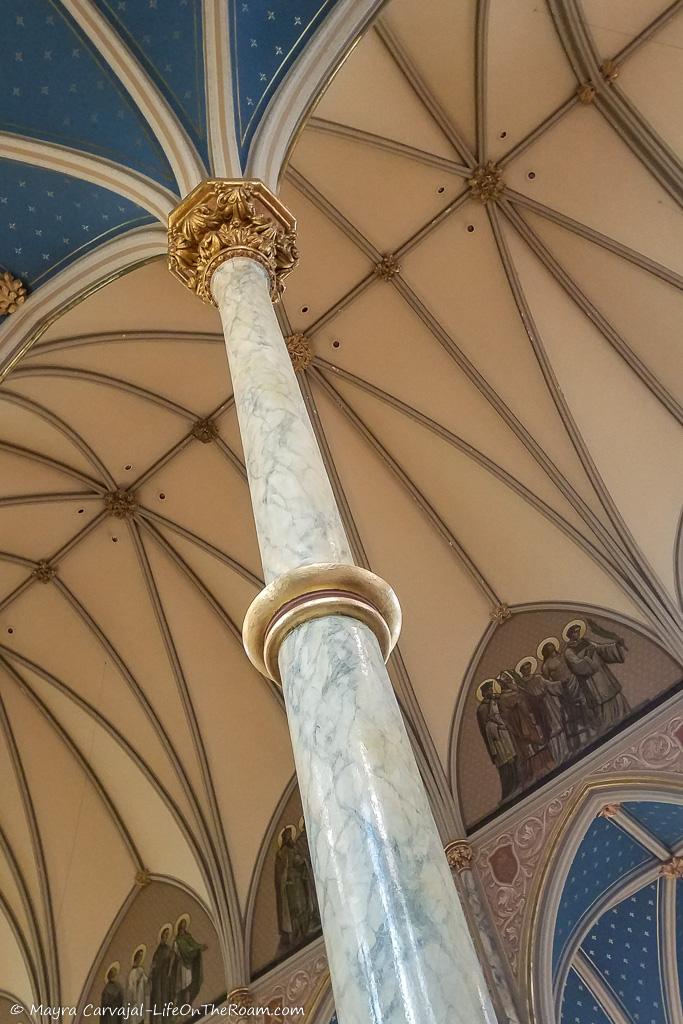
x=314 y=592
x=221 y=219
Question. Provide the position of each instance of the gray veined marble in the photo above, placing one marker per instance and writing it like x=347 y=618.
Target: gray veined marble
x=397 y=940
x=297 y=520
x=396 y=936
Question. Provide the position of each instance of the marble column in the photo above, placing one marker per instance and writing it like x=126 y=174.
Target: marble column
x=397 y=940
x=460 y=858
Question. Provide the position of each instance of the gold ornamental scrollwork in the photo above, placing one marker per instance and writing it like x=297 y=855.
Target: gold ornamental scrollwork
x=299 y=351
x=222 y=219
x=12 y=293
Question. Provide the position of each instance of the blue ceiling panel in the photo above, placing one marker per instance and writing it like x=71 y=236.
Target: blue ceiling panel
x=266 y=36
x=605 y=855
x=578 y=1005
x=166 y=39
x=623 y=946
x=56 y=87
x=665 y=821
x=48 y=219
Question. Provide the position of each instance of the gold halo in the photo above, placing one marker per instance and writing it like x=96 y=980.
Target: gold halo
x=183 y=917
x=496 y=688
x=575 y=622
x=163 y=929
x=287 y=828
x=529 y=660
x=137 y=949
x=548 y=640
x=114 y=963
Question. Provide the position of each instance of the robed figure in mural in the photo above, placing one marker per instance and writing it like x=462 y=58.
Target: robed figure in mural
x=517 y=709
x=588 y=658
x=546 y=708
x=111 y=1000
x=160 y=991
x=291 y=892
x=496 y=736
x=309 y=879
x=185 y=977
x=573 y=701
x=136 y=987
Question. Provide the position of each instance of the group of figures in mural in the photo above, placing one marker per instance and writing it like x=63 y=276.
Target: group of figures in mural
x=537 y=716
x=298 y=917
x=173 y=979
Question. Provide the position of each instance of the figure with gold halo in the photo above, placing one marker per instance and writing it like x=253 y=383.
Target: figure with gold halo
x=496 y=736
x=577 y=717
x=533 y=759
x=136 y=987
x=159 y=975
x=545 y=707
x=588 y=658
x=111 y=1001
x=186 y=966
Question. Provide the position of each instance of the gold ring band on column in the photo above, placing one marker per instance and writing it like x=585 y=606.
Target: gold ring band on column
x=313 y=592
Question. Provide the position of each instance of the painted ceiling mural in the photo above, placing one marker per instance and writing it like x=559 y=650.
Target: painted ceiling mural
x=489 y=205
x=617 y=940
x=549 y=686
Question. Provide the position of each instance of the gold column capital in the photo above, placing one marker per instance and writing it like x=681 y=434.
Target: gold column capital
x=314 y=592
x=241 y=997
x=460 y=855
x=223 y=218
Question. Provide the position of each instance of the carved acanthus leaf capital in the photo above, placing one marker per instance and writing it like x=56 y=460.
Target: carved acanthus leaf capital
x=12 y=293
x=460 y=855
x=241 y=998
x=222 y=219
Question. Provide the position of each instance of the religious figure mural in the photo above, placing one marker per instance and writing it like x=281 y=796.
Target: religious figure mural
x=160 y=964
x=297 y=904
x=538 y=708
x=286 y=914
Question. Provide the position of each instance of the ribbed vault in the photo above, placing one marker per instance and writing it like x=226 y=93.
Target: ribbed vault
x=488 y=197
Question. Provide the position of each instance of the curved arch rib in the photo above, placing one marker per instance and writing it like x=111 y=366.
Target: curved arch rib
x=170 y=134
x=136 y=187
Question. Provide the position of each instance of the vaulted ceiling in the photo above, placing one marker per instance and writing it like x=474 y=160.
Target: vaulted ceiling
x=496 y=385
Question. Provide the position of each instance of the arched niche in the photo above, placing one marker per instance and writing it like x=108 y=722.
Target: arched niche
x=149 y=924
x=511 y=735
x=606 y=930
x=283 y=910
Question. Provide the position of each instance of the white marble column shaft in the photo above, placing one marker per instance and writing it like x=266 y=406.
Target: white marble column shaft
x=297 y=521
x=396 y=936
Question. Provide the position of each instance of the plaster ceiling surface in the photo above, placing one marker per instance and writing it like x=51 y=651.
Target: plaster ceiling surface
x=500 y=419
